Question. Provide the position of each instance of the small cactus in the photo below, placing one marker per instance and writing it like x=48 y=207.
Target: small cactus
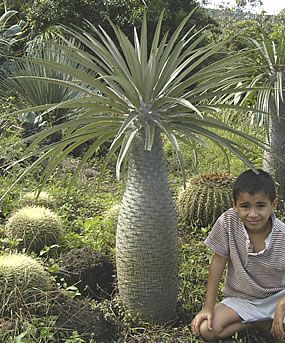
x=42 y=199
x=23 y=280
x=35 y=227
x=205 y=198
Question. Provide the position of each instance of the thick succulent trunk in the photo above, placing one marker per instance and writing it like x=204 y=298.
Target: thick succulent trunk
x=276 y=136
x=146 y=245
x=268 y=160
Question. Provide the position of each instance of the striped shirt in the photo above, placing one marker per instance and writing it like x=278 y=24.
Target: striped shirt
x=249 y=275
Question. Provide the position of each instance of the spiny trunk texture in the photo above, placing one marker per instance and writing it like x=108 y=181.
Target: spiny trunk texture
x=146 y=242
x=276 y=136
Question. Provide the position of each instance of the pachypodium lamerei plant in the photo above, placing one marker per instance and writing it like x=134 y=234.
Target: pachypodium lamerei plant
x=170 y=87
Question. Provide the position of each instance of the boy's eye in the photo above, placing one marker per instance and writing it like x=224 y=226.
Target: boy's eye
x=248 y=206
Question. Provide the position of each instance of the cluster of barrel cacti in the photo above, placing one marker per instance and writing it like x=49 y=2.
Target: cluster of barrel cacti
x=204 y=199
x=23 y=277
x=26 y=285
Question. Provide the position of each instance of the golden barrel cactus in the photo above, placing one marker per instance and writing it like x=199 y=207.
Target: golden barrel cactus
x=35 y=227
x=42 y=199
x=23 y=281
x=204 y=199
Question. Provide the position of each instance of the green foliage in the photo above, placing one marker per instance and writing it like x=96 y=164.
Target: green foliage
x=236 y=28
x=11 y=146
x=210 y=158
x=111 y=214
x=23 y=281
x=175 y=12
x=34 y=92
x=36 y=330
x=44 y=14
x=205 y=198
x=13 y=31
x=31 y=123
x=194 y=259
x=35 y=227
x=84 y=200
x=193 y=274
x=97 y=232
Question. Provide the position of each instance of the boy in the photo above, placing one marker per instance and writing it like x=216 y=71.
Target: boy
x=250 y=240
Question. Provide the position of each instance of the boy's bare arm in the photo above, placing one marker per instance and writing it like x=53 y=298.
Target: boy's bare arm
x=278 y=321
x=216 y=270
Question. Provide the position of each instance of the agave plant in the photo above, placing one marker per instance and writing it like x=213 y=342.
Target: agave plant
x=171 y=87
x=268 y=58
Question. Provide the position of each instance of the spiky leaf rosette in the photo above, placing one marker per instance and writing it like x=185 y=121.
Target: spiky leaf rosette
x=42 y=199
x=35 y=226
x=204 y=199
x=23 y=281
x=173 y=85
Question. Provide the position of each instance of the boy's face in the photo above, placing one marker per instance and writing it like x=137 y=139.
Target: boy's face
x=255 y=210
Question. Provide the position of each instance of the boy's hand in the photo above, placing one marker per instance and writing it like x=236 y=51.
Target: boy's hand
x=279 y=315
x=204 y=314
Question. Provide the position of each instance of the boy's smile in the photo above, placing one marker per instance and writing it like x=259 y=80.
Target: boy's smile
x=255 y=211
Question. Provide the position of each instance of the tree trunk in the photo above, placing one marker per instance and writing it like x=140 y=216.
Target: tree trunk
x=146 y=241
x=276 y=136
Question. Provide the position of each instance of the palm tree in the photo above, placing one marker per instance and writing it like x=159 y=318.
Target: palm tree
x=171 y=87
x=268 y=59
x=31 y=91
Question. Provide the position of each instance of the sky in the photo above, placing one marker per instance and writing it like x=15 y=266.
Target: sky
x=270 y=6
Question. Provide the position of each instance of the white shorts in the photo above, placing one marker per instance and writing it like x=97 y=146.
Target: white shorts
x=254 y=310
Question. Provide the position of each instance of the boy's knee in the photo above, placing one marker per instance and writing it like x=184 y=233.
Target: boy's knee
x=210 y=335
